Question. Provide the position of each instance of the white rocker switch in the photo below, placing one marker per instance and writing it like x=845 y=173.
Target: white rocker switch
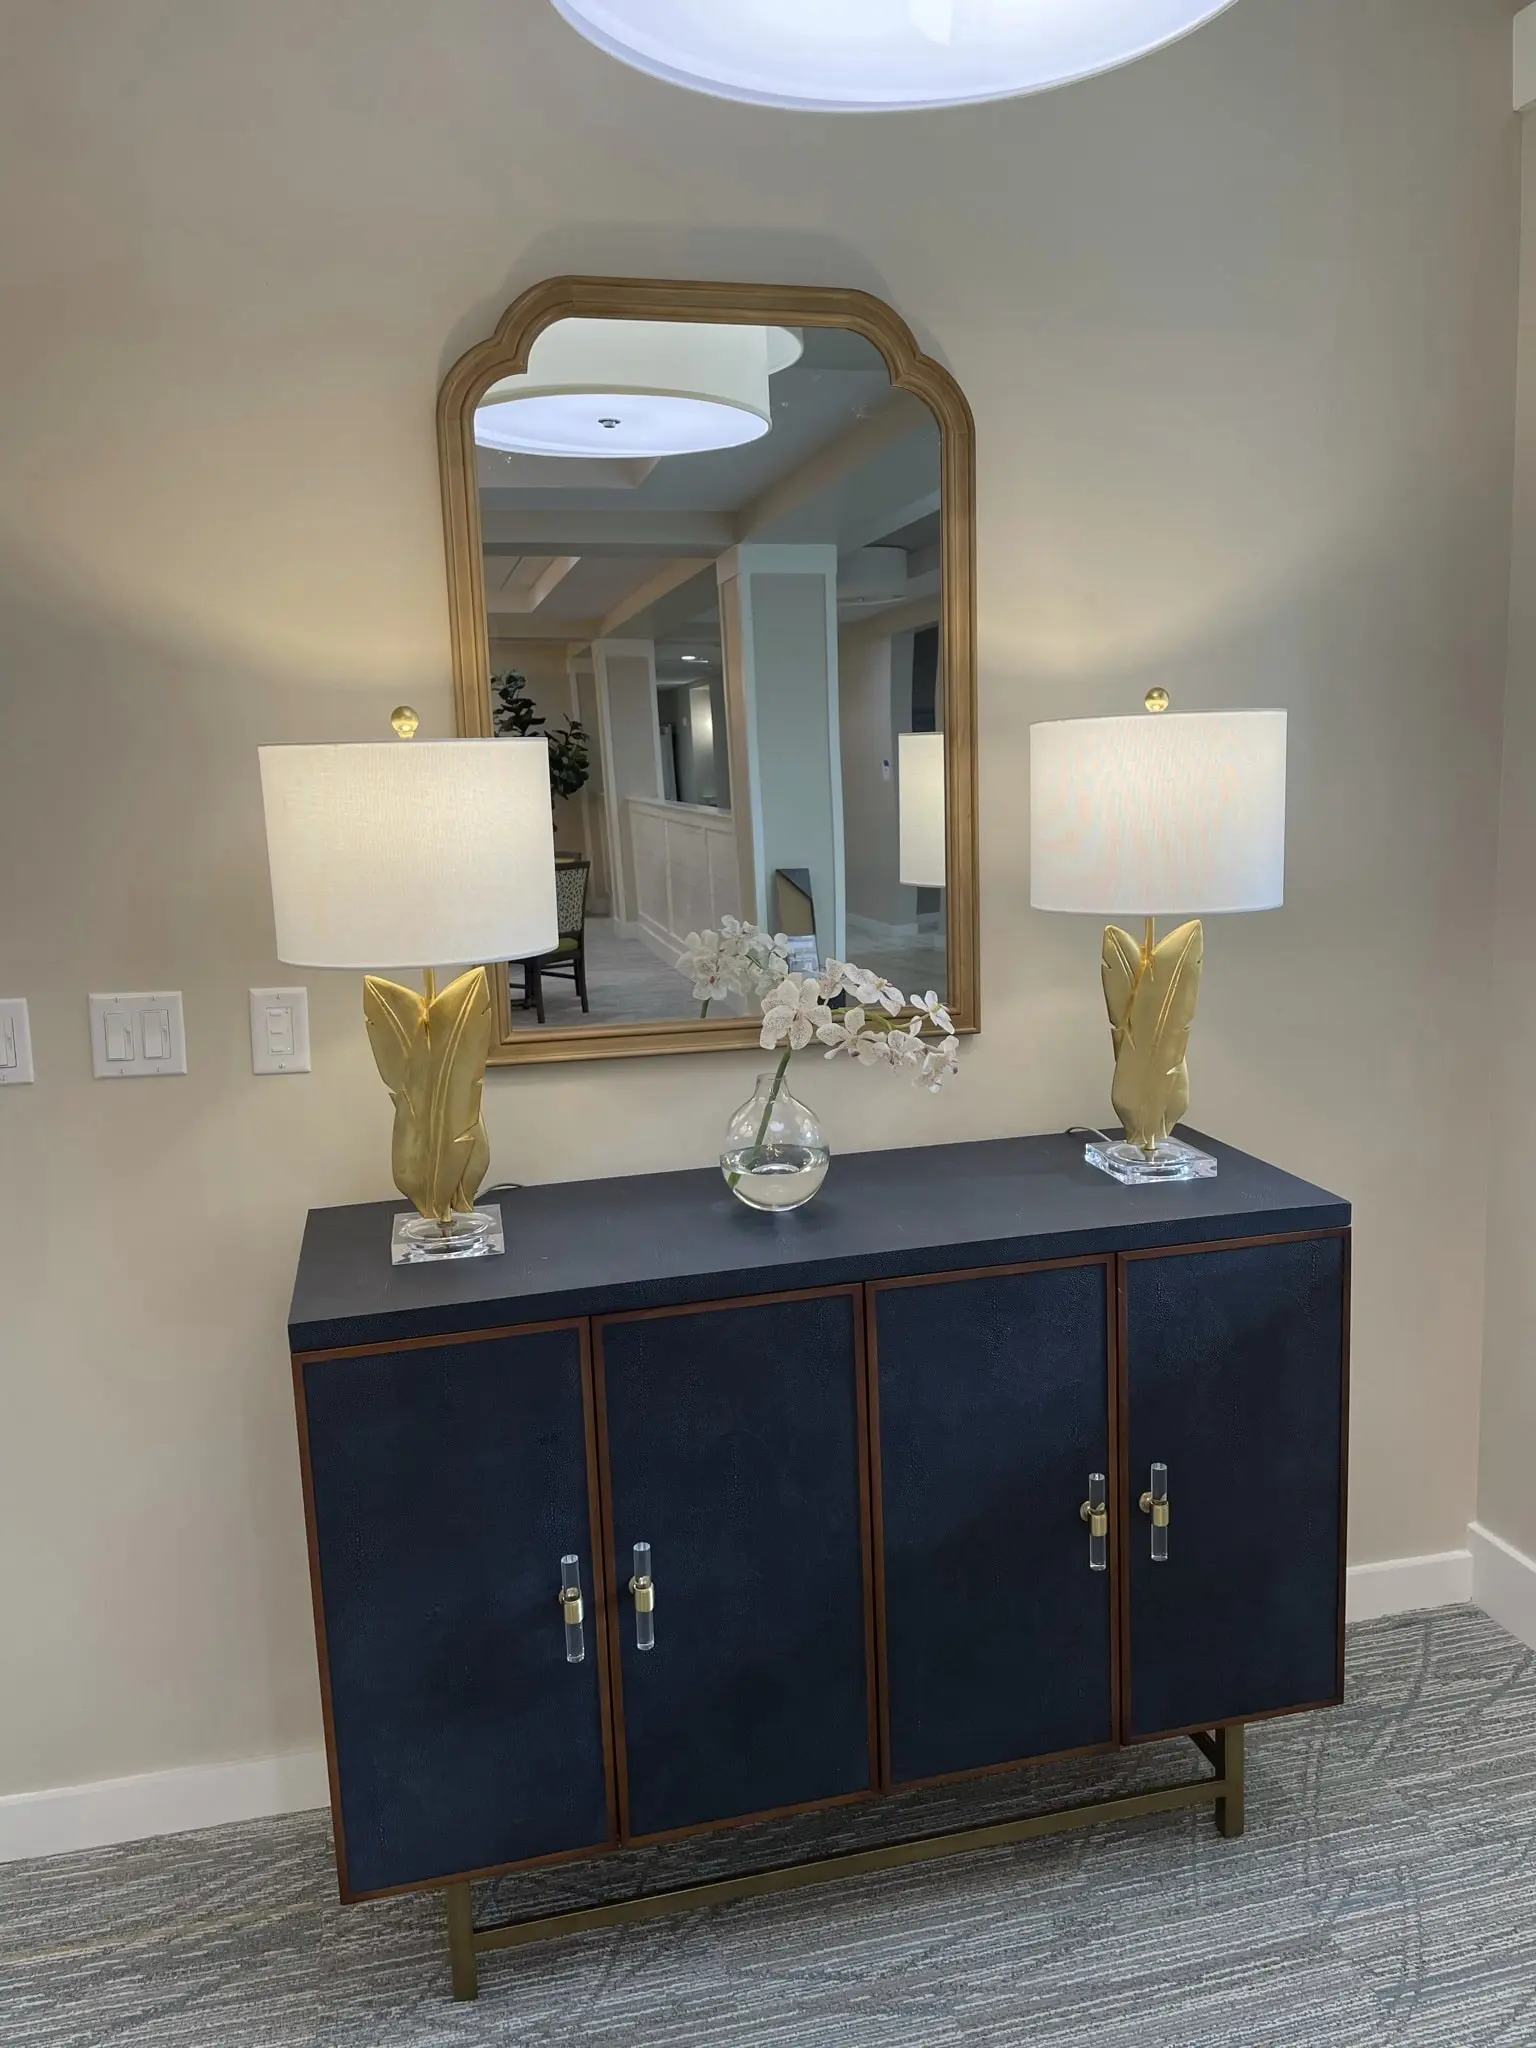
x=119 y=1030
x=138 y=1037
x=15 y=1042
x=156 y=1026
x=279 y=1031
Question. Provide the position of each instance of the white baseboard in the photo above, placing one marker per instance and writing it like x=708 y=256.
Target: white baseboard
x=1404 y=1584
x=73 y=1817
x=1503 y=1583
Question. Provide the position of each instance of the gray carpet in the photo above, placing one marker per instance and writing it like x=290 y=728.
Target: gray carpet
x=1384 y=1897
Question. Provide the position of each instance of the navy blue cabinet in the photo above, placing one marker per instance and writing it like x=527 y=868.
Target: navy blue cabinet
x=733 y=1444
x=857 y=1441
x=1234 y=1367
x=992 y=1395
x=445 y=1484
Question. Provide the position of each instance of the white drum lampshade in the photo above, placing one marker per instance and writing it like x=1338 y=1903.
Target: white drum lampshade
x=856 y=55
x=409 y=855
x=637 y=390
x=920 y=809
x=1151 y=816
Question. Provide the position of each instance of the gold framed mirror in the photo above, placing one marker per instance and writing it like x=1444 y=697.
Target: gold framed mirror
x=717 y=543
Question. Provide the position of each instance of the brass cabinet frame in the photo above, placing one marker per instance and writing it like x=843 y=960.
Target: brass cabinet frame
x=613 y=298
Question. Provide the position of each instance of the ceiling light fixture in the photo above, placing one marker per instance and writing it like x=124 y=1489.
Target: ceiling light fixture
x=637 y=389
x=850 y=56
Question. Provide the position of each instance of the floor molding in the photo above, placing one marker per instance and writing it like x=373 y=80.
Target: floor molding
x=1504 y=1583
x=73 y=1817
x=1404 y=1584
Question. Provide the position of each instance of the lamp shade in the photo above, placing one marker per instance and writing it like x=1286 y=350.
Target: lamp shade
x=637 y=389
x=851 y=55
x=1158 y=814
x=420 y=853
x=920 y=809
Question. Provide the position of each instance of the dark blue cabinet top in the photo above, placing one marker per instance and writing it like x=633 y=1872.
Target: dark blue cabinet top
x=656 y=1240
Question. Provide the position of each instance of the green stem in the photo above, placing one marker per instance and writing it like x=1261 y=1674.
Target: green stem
x=762 y=1129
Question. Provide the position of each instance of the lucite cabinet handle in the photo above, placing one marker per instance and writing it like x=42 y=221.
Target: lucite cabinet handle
x=1095 y=1512
x=572 y=1609
x=643 y=1587
x=1154 y=1503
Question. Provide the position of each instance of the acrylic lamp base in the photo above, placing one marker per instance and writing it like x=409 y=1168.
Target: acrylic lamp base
x=1170 y=1159
x=419 y=1240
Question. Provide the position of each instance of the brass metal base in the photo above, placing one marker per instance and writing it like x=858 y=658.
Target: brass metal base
x=1223 y=1750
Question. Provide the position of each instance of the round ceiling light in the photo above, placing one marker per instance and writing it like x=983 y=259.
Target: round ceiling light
x=637 y=389
x=849 y=56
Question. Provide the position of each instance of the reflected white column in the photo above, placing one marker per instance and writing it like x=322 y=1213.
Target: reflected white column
x=625 y=673
x=778 y=608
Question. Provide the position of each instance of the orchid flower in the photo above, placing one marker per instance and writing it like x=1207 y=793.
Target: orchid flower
x=793 y=1012
x=933 y=1011
x=841 y=1032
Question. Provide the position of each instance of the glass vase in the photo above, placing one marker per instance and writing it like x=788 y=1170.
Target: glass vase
x=774 y=1156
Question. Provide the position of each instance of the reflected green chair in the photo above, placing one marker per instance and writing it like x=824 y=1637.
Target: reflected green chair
x=570 y=956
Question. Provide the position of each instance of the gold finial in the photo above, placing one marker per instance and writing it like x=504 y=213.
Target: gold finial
x=1157 y=700
x=405 y=721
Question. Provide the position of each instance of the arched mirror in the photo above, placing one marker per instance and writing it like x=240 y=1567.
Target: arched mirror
x=715 y=543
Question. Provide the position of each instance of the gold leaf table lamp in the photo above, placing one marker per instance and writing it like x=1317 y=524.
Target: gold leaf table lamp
x=393 y=855
x=1161 y=814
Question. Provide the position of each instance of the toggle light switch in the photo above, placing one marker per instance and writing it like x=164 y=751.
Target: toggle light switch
x=279 y=1031
x=138 y=1037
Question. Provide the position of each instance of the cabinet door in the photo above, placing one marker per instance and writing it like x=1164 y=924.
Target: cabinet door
x=992 y=1407
x=734 y=1448
x=1235 y=1363
x=445 y=1484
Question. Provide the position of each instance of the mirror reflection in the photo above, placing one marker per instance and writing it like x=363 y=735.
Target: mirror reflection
x=712 y=580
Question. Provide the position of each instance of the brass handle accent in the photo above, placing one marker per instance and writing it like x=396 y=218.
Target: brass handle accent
x=1154 y=1504
x=1095 y=1512
x=643 y=1587
x=572 y=1609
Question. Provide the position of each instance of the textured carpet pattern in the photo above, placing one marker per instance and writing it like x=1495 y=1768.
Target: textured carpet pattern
x=1383 y=1897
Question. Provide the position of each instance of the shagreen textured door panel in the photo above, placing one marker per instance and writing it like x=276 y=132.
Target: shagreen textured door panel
x=992 y=1399
x=1235 y=1362
x=446 y=1483
x=734 y=1447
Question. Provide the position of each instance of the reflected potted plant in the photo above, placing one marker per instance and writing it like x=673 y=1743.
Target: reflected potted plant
x=514 y=716
x=775 y=1156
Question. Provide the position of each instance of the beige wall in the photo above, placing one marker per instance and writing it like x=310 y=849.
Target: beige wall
x=1507 y=1491
x=1237 y=325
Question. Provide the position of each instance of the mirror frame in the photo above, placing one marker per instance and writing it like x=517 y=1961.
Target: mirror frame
x=503 y=354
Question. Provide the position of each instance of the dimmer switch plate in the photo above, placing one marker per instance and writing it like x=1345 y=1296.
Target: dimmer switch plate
x=15 y=1042
x=138 y=1037
x=279 y=1030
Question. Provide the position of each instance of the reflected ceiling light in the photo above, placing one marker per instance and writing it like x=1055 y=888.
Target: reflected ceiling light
x=849 y=56
x=637 y=389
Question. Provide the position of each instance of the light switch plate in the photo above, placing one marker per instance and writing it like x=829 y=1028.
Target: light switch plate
x=15 y=1042
x=279 y=1030
x=137 y=1037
